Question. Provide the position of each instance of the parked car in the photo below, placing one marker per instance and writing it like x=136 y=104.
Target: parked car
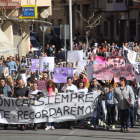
x=36 y=45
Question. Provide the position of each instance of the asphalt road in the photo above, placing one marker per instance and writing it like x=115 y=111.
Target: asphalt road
x=65 y=134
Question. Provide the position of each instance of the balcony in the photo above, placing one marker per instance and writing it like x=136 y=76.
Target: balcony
x=10 y=4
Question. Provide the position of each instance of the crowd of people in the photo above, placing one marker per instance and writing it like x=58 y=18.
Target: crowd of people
x=112 y=101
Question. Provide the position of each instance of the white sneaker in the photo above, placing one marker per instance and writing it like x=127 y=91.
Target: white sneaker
x=92 y=127
x=101 y=123
x=53 y=128
x=48 y=128
x=113 y=126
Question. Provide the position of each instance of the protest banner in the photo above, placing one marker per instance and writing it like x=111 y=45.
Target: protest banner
x=55 y=108
x=103 y=74
x=41 y=84
x=131 y=44
x=115 y=61
x=75 y=55
x=35 y=64
x=78 y=70
x=94 y=50
x=131 y=57
x=101 y=60
x=13 y=73
x=137 y=77
x=89 y=71
x=108 y=54
x=98 y=67
x=5 y=71
x=28 y=62
x=46 y=63
x=125 y=71
x=83 y=63
x=61 y=74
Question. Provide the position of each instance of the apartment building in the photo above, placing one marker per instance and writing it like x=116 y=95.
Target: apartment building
x=18 y=32
x=120 y=18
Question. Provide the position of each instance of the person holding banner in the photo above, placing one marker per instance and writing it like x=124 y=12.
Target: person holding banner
x=50 y=90
x=95 y=87
x=82 y=89
x=5 y=91
x=31 y=95
x=69 y=88
x=21 y=92
x=124 y=98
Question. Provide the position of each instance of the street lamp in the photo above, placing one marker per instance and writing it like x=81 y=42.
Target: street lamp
x=70 y=22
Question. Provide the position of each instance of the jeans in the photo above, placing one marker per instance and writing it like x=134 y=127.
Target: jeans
x=135 y=111
x=82 y=121
x=116 y=114
x=124 y=116
x=104 y=111
x=50 y=124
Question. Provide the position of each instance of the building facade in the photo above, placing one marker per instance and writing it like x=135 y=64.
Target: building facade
x=18 y=32
x=120 y=18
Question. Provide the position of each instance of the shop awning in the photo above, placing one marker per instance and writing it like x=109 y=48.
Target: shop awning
x=6 y=47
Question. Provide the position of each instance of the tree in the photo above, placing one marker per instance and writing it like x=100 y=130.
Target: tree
x=90 y=25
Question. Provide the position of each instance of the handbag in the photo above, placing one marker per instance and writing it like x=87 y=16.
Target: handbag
x=127 y=101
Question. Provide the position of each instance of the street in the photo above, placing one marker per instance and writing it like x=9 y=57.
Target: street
x=65 y=134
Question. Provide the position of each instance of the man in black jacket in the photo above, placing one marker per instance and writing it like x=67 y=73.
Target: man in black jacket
x=21 y=92
x=95 y=87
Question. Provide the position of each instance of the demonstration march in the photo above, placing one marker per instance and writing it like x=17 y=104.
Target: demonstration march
x=99 y=85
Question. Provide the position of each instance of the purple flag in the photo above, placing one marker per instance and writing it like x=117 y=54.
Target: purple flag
x=35 y=64
x=61 y=74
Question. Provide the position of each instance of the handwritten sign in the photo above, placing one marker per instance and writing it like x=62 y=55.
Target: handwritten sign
x=126 y=71
x=115 y=61
x=101 y=60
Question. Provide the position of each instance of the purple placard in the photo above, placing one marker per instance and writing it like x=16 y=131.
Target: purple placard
x=61 y=74
x=35 y=64
x=41 y=84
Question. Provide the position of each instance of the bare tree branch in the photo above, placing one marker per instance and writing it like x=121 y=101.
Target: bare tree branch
x=91 y=26
x=91 y=17
x=81 y=16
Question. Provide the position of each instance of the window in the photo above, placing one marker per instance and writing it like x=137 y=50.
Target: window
x=139 y=13
x=117 y=28
x=52 y=21
x=60 y=21
x=109 y=1
x=119 y=1
x=98 y=30
x=105 y=28
x=132 y=27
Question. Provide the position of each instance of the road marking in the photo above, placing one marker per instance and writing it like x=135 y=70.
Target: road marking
x=62 y=137
x=65 y=136
x=71 y=132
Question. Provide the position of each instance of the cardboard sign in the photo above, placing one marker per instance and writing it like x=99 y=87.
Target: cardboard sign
x=61 y=74
x=126 y=71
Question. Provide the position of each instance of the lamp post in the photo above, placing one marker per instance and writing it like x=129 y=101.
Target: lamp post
x=70 y=22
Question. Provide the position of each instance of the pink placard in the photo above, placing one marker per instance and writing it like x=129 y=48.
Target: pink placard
x=41 y=84
x=125 y=71
x=103 y=74
x=101 y=60
x=115 y=61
